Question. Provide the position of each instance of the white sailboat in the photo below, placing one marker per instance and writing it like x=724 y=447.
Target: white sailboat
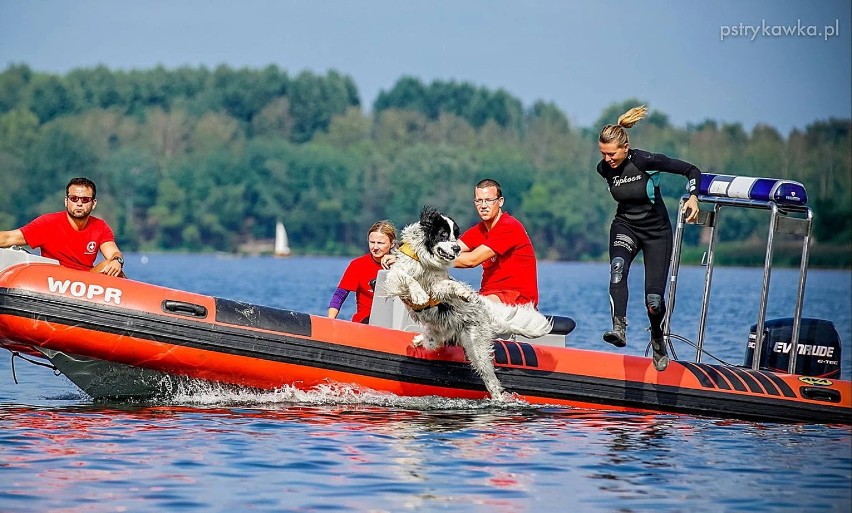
x=282 y=245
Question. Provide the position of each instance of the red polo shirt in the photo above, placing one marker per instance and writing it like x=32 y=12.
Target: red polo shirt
x=59 y=240
x=513 y=268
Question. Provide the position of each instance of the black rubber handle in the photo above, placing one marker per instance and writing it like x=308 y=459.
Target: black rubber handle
x=184 y=308
x=820 y=394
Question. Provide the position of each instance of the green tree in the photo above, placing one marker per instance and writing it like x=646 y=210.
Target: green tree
x=49 y=98
x=166 y=134
x=96 y=88
x=131 y=178
x=190 y=158
x=274 y=120
x=55 y=157
x=213 y=132
x=18 y=131
x=766 y=154
x=167 y=219
x=315 y=100
x=14 y=87
x=347 y=129
x=243 y=93
x=441 y=176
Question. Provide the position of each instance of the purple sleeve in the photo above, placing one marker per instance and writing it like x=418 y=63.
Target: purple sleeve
x=338 y=298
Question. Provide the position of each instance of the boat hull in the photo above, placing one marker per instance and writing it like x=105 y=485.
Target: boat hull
x=91 y=318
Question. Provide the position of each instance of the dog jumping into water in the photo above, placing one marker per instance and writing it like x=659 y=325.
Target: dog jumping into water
x=449 y=309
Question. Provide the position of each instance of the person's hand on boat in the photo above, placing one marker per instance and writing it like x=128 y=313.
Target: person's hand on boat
x=388 y=260
x=112 y=268
x=690 y=209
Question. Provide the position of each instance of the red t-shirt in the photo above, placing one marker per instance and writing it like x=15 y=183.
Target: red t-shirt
x=57 y=239
x=358 y=277
x=513 y=268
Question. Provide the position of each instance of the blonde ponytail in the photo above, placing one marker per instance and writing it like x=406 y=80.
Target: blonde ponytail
x=632 y=116
x=617 y=133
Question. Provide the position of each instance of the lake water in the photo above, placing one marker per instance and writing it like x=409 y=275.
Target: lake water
x=337 y=450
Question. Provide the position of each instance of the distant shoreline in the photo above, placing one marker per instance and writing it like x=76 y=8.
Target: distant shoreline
x=823 y=256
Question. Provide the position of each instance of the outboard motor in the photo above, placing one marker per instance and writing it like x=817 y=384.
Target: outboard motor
x=819 y=347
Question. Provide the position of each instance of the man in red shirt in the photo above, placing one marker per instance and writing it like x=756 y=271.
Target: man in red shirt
x=73 y=237
x=501 y=244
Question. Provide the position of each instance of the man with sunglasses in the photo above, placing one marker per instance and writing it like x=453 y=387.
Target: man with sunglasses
x=73 y=237
x=500 y=244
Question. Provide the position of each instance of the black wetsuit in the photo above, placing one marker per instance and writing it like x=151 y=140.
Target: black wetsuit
x=642 y=224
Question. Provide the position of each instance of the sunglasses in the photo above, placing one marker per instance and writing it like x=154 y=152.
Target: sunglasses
x=485 y=201
x=82 y=199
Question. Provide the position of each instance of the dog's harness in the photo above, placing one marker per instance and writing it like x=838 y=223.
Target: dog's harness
x=407 y=250
x=419 y=308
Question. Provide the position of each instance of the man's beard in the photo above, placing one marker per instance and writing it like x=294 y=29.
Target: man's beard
x=74 y=215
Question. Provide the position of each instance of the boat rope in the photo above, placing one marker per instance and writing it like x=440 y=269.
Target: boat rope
x=689 y=342
x=667 y=342
x=34 y=362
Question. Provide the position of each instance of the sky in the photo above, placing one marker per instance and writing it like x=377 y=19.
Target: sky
x=785 y=63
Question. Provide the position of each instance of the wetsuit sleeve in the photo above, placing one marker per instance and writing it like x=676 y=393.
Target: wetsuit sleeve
x=648 y=161
x=338 y=298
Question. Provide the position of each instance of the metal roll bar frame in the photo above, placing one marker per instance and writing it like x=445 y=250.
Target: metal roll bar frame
x=781 y=220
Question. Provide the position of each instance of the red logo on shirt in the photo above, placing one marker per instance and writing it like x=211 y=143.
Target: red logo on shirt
x=91 y=247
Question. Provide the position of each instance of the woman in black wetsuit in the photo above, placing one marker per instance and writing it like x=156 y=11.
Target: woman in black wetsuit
x=641 y=223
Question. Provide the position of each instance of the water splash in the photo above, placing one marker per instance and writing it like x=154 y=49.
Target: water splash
x=187 y=392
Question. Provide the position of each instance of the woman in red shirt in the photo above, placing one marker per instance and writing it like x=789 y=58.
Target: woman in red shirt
x=360 y=275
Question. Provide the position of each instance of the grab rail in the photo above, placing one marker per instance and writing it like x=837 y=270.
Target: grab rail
x=783 y=220
x=184 y=308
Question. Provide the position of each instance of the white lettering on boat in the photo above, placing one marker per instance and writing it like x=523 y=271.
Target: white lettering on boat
x=86 y=290
x=805 y=349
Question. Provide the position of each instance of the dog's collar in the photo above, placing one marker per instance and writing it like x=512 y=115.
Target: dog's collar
x=407 y=249
x=424 y=306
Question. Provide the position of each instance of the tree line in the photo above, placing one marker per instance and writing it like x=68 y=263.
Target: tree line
x=207 y=160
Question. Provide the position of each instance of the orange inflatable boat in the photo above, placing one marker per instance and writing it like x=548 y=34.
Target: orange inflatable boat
x=118 y=338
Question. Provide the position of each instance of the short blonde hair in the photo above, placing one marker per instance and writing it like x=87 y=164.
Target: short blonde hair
x=385 y=227
x=618 y=133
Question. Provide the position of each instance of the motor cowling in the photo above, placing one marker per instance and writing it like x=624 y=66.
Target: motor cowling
x=818 y=351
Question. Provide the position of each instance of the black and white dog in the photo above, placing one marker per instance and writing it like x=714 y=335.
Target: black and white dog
x=452 y=310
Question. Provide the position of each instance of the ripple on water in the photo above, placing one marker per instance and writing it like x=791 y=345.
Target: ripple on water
x=344 y=449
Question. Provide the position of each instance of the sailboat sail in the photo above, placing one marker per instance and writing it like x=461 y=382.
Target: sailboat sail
x=282 y=245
